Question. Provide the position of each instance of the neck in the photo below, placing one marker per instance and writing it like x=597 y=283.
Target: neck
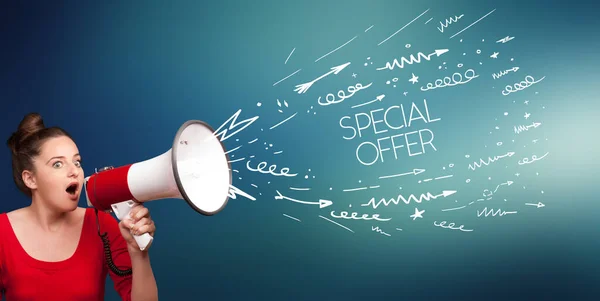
x=49 y=219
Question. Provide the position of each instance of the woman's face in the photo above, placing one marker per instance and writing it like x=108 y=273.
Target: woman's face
x=58 y=176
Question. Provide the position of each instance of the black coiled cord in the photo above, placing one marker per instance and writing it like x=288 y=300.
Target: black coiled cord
x=106 y=242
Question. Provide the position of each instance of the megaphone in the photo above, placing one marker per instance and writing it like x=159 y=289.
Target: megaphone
x=195 y=169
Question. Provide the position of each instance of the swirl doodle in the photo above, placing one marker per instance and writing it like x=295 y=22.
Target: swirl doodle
x=451 y=81
x=451 y=226
x=528 y=82
x=284 y=171
x=342 y=95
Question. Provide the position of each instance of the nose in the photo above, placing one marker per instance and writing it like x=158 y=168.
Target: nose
x=73 y=171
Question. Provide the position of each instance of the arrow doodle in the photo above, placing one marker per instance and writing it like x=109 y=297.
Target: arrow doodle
x=378 y=98
x=302 y=88
x=428 y=196
x=522 y=128
x=539 y=205
x=415 y=172
x=322 y=203
x=489 y=161
x=412 y=59
x=233 y=125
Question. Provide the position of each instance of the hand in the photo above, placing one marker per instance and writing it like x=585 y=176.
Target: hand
x=137 y=223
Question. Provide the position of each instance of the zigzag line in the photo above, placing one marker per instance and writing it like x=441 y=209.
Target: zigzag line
x=403 y=60
x=376 y=229
x=426 y=197
x=448 y=22
x=492 y=213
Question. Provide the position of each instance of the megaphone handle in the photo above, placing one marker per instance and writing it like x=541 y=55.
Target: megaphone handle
x=121 y=210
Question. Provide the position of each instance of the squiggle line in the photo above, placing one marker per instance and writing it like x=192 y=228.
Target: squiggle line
x=376 y=229
x=522 y=128
x=502 y=73
x=412 y=59
x=528 y=82
x=448 y=22
x=490 y=160
x=396 y=201
x=450 y=81
x=493 y=213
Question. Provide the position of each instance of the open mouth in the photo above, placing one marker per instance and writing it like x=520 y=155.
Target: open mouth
x=72 y=189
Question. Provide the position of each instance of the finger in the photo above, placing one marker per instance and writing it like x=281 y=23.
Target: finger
x=135 y=208
x=148 y=228
x=139 y=224
x=142 y=212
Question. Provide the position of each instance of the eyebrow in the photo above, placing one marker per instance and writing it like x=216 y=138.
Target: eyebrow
x=59 y=157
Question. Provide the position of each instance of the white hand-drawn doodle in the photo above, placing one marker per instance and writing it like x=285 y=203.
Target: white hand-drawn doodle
x=354 y=216
x=302 y=88
x=336 y=49
x=376 y=229
x=417 y=214
x=533 y=159
x=472 y=23
x=448 y=21
x=221 y=131
x=450 y=226
x=236 y=160
x=489 y=160
x=291 y=217
x=294 y=188
x=522 y=128
x=322 y=203
x=503 y=73
x=434 y=179
x=378 y=98
x=360 y=188
x=260 y=168
x=456 y=208
x=412 y=59
x=505 y=39
x=279 y=104
x=286 y=60
x=499 y=212
x=234 y=191
x=528 y=82
x=495 y=55
x=414 y=79
x=425 y=196
x=539 y=204
x=428 y=20
x=399 y=30
x=336 y=223
x=414 y=172
x=342 y=95
x=283 y=121
x=448 y=81
x=286 y=77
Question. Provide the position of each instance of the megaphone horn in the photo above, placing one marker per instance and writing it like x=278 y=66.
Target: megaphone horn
x=195 y=169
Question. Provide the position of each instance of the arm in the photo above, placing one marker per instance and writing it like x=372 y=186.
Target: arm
x=140 y=285
x=143 y=283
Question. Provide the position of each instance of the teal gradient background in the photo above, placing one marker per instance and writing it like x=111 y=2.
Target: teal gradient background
x=122 y=77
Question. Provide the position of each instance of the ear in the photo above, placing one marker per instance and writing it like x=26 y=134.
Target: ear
x=29 y=179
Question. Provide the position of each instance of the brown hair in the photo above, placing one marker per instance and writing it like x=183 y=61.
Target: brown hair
x=25 y=145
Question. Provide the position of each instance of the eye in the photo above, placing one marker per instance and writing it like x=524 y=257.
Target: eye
x=78 y=163
x=57 y=164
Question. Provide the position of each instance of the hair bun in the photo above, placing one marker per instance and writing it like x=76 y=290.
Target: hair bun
x=31 y=124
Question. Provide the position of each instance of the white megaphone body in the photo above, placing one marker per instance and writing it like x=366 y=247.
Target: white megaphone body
x=196 y=169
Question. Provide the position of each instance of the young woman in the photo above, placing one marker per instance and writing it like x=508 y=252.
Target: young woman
x=55 y=250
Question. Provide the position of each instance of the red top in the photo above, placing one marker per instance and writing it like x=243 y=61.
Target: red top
x=80 y=277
